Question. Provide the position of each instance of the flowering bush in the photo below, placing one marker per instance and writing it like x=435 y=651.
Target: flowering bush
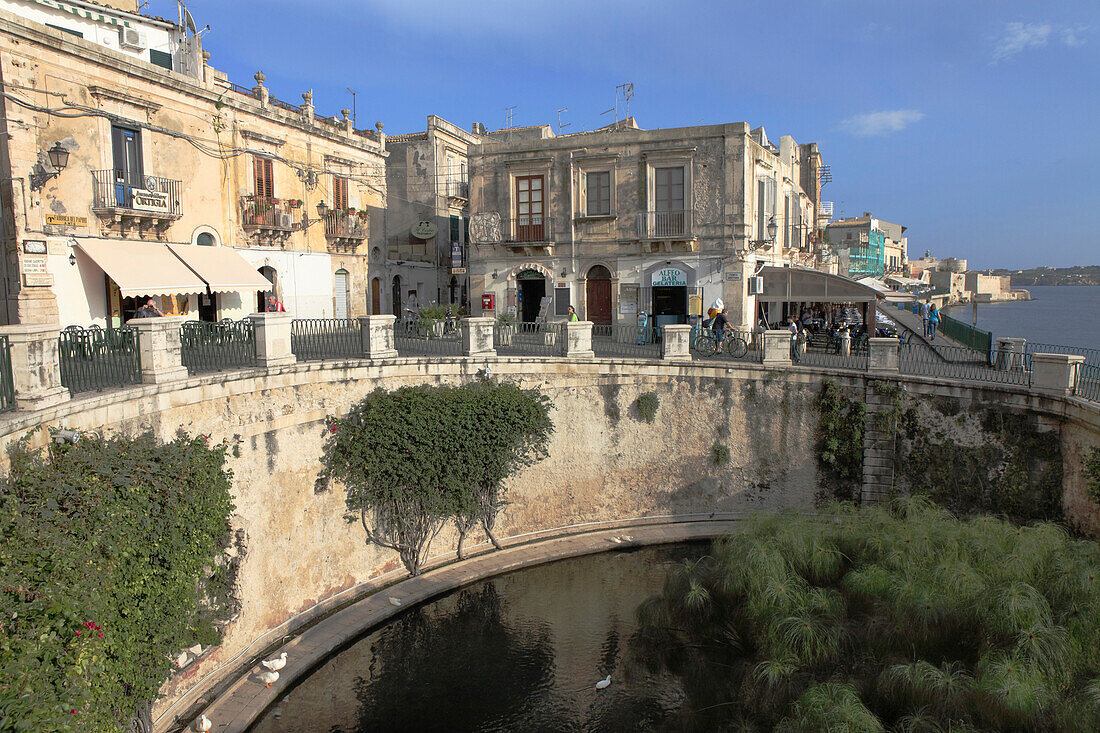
x=105 y=573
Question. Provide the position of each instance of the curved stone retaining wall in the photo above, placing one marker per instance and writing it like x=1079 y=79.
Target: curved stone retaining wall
x=605 y=463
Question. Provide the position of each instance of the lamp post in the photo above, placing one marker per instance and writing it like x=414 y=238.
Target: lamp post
x=771 y=230
x=59 y=159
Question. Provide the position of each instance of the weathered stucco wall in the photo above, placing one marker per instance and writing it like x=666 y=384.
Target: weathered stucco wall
x=605 y=462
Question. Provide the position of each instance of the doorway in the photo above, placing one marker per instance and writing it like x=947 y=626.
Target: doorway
x=597 y=288
x=669 y=305
x=261 y=295
x=532 y=289
x=395 y=296
x=375 y=296
x=340 y=295
x=208 y=307
x=129 y=172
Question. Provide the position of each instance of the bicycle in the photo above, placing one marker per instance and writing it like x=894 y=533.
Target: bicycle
x=707 y=344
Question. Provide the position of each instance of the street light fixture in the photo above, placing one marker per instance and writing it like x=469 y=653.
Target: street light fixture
x=771 y=230
x=59 y=159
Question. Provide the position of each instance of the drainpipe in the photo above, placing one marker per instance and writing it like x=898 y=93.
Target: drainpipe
x=572 y=215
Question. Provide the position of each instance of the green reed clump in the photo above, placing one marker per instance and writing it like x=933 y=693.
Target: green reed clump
x=896 y=618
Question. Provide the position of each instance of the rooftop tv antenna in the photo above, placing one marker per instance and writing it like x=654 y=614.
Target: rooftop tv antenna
x=509 y=115
x=352 y=105
x=185 y=19
x=626 y=93
x=560 y=125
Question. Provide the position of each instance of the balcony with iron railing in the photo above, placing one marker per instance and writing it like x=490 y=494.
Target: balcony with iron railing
x=146 y=199
x=457 y=188
x=524 y=230
x=269 y=216
x=665 y=225
x=347 y=228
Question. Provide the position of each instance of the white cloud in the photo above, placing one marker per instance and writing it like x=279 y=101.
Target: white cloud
x=881 y=123
x=1019 y=37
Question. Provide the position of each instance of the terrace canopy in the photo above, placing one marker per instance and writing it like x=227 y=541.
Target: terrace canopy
x=801 y=285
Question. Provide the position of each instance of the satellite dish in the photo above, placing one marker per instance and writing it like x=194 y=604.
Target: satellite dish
x=188 y=21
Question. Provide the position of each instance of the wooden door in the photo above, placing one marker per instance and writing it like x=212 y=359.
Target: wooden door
x=598 y=295
x=530 y=209
x=375 y=297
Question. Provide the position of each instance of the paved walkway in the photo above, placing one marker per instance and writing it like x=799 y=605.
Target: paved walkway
x=913 y=323
x=246 y=697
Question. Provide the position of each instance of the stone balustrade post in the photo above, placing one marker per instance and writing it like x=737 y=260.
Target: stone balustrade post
x=676 y=342
x=477 y=337
x=576 y=340
x=777 y=348
x=1055 y=373
x=35 y=365
x=882 y=355
x=272 y=339
x=377 y=333
x=160 y=348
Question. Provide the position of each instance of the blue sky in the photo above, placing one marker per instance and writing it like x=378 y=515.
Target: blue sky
x=976 y=124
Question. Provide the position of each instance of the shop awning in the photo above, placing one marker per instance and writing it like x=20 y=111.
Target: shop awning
x=885 y=291
x=223 y=268
x=142 y=268
x=796 y=284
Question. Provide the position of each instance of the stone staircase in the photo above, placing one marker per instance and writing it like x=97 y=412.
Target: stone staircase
x=878 y=451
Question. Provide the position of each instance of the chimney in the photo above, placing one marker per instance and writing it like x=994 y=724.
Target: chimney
x=477 y=128
x=867 y=214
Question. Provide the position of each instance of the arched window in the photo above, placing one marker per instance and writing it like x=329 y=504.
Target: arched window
x=206 y=239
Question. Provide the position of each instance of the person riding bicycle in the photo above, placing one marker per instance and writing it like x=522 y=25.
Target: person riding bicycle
x=719 y=325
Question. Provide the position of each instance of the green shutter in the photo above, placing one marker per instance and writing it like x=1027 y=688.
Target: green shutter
x=160 y=58
x=456 y=228
x=70 y=31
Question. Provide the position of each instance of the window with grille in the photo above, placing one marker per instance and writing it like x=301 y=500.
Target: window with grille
x=264 y=177
x=598 y=194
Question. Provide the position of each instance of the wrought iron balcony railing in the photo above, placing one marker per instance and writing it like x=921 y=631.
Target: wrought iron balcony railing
x=258 y=212
x=534 y=228
x=117 y=192
x=342 y=225
x=457 y=189
x=665 y=224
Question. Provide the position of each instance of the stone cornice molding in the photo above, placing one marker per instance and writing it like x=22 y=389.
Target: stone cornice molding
x=104 y=93
x=337 y=160
x=261 y=138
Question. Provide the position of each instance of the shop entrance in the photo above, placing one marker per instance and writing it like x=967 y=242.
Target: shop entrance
x=261 y=295
x=532 y=289
x=208 y=307
x=670 y=305
x=598 y=295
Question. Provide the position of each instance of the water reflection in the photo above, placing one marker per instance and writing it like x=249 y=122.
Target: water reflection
x=519 y=652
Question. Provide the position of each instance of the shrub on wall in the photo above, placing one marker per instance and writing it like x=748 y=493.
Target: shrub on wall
x=647 y=404
x=110 y=565
x=1092 y=474
x=415 y=458
x=891 y=618
x=840 y=439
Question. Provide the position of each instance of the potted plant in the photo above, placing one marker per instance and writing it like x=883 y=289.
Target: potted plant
x=432 y=317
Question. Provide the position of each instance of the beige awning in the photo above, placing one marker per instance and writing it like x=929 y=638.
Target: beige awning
x=142 y=268
x=223 y=268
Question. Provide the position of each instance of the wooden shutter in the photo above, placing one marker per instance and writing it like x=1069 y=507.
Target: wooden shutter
x=340 y=193
x=264 y=177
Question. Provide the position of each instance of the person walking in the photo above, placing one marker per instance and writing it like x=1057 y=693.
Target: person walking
x=795 y=357
x=924 y=310
x=933 y=321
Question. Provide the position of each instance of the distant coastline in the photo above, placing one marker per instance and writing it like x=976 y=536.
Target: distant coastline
x=1080 y=275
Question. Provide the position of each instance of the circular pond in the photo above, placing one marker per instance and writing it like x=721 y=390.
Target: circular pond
x=522 y=651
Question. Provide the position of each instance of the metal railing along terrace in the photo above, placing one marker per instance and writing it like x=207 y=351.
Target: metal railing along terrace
x=93 y=359
x=527 y=339
x=217 y=347
x=625 y=341
x=413 y=337
x=326 y=338
x=7 y=382
x=956 y=362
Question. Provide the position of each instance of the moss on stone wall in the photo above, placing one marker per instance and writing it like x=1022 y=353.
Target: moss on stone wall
x=840 y=441
x=1011 y=467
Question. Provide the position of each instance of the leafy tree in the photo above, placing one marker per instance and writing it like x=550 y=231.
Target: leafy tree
x=414 y=458
x=900 y=618
x=105 y=575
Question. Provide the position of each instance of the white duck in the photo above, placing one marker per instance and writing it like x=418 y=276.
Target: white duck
x=275 y=664
x=202 y=725
x=604 y=683
x=269 y=678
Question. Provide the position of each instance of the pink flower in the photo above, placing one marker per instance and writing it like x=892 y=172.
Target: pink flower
x=78 y=633
x=101 y=635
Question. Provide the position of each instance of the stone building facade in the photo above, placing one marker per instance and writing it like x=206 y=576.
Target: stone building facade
x=867 y=246
x=176 y=184
x=425 y=256
x=622 y=221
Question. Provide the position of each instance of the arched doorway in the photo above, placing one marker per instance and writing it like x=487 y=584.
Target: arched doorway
x=531 y=288
x=261 y=295
x=597 y=289
x=395 y=295
x=375 y=296
x=340 y=294
x=453 y=287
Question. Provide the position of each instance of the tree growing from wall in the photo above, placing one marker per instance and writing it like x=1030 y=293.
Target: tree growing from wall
x=415 y=458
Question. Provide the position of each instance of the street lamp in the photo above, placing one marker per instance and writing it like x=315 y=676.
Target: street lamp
x=770 y=230
x=59 y=158
x=322 y=209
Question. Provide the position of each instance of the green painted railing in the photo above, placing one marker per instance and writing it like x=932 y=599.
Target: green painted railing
x=93 y=359
x=217 y=347
x=7 y=384
x=326 y=338
x=965 y=334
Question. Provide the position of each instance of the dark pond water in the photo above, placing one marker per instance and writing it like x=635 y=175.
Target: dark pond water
x=521 y=652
